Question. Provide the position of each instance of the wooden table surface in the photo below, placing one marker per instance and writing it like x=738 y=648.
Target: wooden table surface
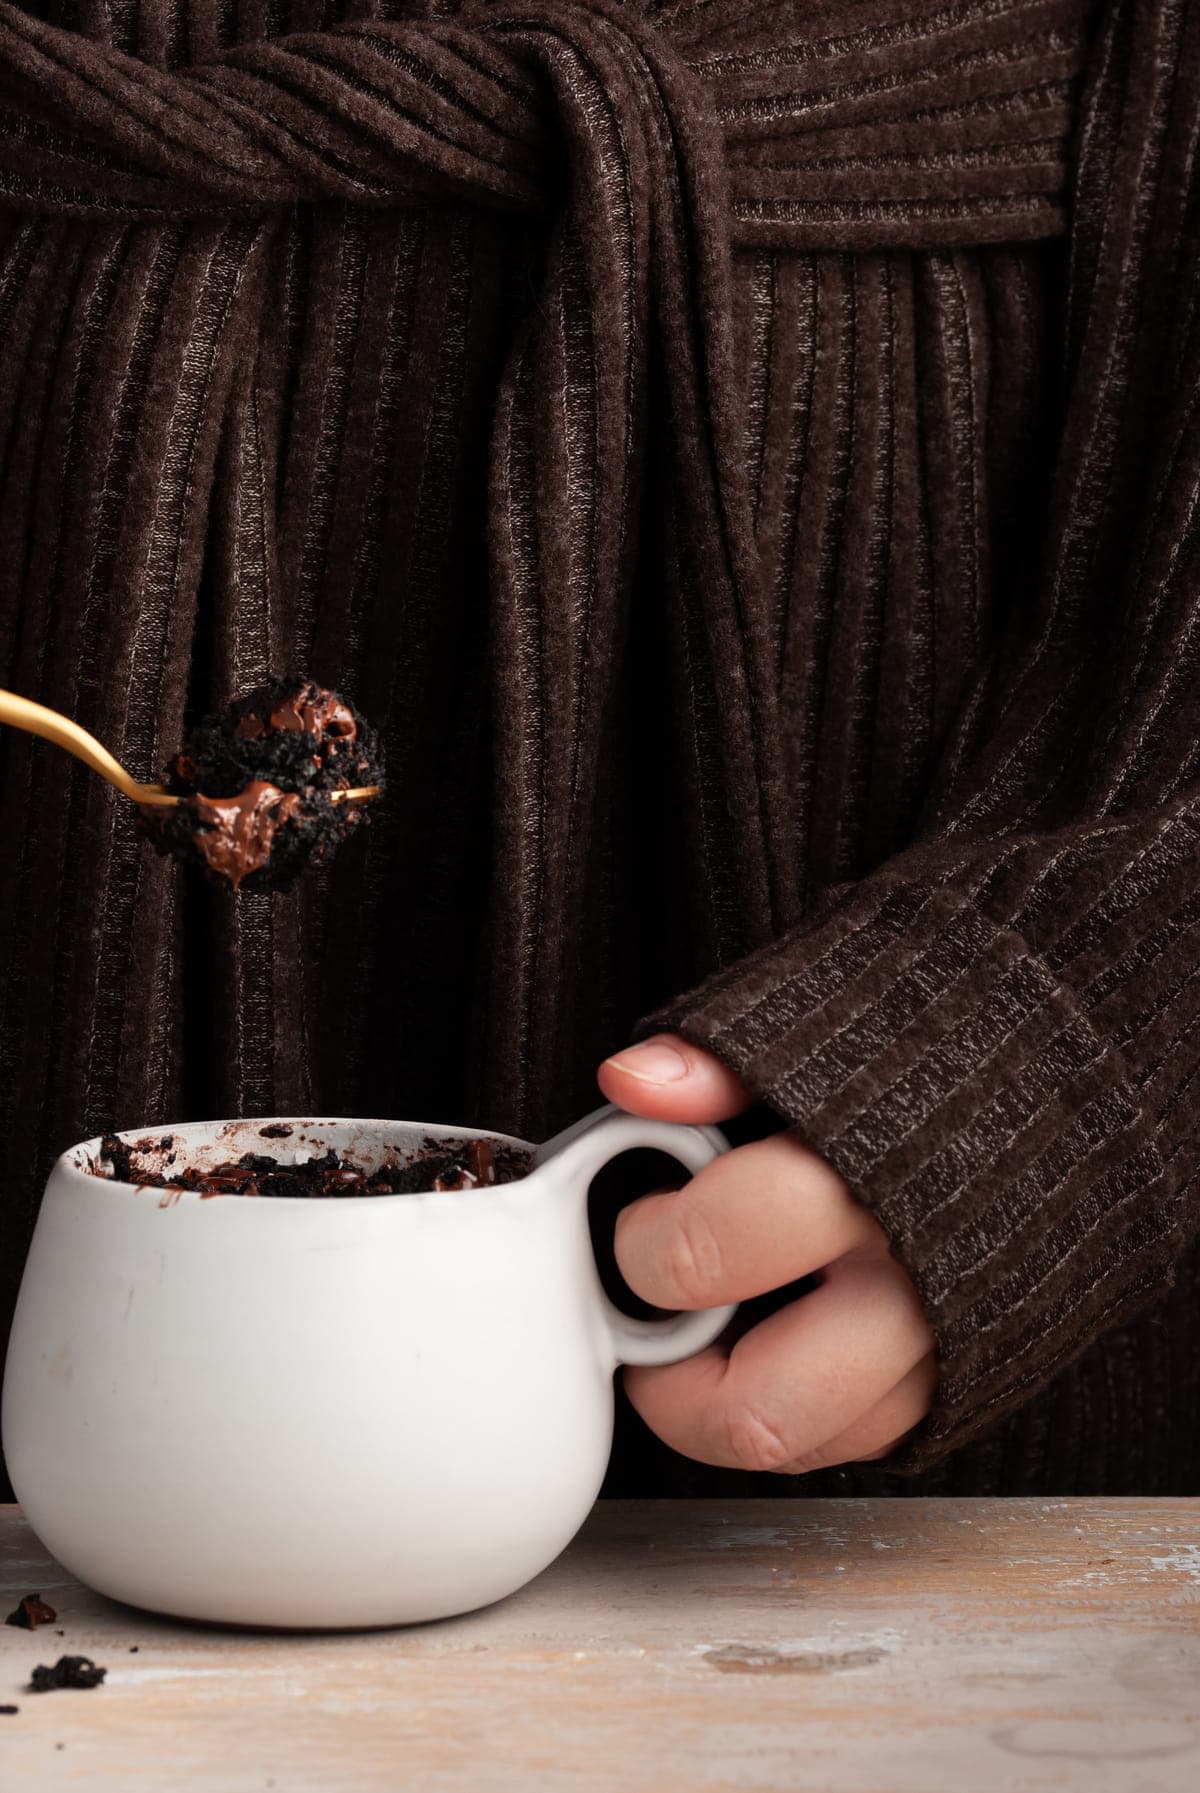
x=874 y=1646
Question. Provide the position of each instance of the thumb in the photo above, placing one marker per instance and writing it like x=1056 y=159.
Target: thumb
x=666 y=1078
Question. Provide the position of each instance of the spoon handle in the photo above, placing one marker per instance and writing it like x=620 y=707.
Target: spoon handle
x=36 y=719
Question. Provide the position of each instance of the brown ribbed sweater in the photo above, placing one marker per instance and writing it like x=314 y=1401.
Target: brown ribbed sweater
x=745 y=459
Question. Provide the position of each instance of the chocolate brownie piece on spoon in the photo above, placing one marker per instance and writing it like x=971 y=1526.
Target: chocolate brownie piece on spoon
x=257 y=782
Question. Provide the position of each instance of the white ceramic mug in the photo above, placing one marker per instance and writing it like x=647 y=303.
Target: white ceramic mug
x=318 y=1412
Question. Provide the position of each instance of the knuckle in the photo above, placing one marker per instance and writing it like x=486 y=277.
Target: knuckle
x=753 y=1442
x=693 y=1258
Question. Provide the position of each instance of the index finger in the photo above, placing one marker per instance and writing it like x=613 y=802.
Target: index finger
x=753 y=1220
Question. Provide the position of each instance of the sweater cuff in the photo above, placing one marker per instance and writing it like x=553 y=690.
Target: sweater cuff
x=968 y=1099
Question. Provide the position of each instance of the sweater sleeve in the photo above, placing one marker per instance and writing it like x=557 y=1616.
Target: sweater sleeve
x=995 y=1036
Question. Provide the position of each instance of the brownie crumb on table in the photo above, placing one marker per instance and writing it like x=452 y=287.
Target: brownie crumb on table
x=256 y=781
x=468 y=1164
x=31 y=1611
x=68 y=1671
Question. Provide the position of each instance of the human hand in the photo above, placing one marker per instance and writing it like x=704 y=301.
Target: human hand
x=838 y=1376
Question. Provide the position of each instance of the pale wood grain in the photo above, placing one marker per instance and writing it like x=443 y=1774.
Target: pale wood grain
x=843 y=1647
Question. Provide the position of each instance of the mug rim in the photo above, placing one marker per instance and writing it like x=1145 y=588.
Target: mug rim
x=66 y=1164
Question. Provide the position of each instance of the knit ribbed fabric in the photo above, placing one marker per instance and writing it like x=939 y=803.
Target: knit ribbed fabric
x=744 y=459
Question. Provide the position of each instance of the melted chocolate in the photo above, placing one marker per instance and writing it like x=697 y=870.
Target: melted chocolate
x=310 y=710
x=235 y=834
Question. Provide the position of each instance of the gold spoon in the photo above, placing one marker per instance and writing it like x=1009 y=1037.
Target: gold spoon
x=36 y=719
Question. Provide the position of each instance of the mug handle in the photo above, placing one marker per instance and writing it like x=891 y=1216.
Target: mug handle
x=585 y=1148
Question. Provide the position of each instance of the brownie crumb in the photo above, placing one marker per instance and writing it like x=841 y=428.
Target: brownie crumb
x=256 y=781
x=31 y=1612
x=134 y=1648
x=114 y=1151
x=68 y=1671
x=7 y=1711
x=278 y=1131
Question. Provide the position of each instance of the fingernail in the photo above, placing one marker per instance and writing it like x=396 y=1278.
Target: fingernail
x=652 y=1062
